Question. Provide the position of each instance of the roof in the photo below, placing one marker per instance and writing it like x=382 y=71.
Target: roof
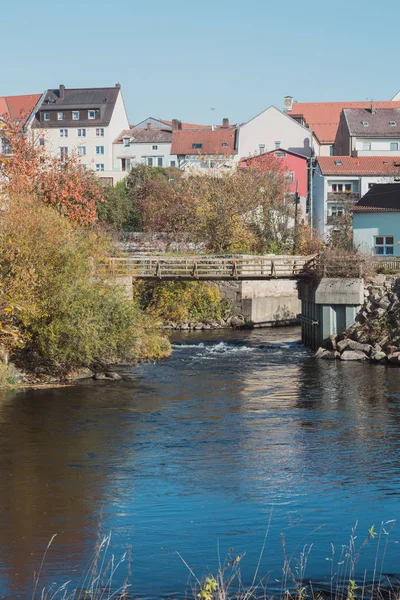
x=215 y=142
x=381 y=197
x=18 y=106
x=102 y=99
x=323 y=117
x=378 y=122
x=361 y=165
x=258 y=157
x=145 y=136
x=189 y=125
x=159 y=123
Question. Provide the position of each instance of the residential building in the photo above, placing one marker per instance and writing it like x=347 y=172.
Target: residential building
x=144 y=145
x=84 y=121
x=376 y=220
x=322 y=118
x=212 y=148
x=18 y=109
x=270 y=129
x=368 y=132
x=340 y=181
x=162 y=124
x=295 y=167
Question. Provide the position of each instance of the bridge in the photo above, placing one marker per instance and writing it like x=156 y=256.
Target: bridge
x=209 y=268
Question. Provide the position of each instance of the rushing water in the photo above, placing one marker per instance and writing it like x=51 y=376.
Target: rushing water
x=196 y=455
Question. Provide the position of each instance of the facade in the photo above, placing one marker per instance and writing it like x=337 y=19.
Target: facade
x=269 y=130
x=369 y=132
x=376 y=220
x=322 y=118
x=146 y=146
x=18 y=109
x=295 y=167
x=341 y=181
x=199 y=149
x=83 y=121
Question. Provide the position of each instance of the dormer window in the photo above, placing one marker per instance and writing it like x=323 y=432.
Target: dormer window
x=197 y=146
x=338 y=163
x=91 y=114
x=127 y=141
x=225 y=144
x=75 y=115
x=392 y=123
x=280 y=154
x=60 y=116
x=46 y=116
x=364 y=123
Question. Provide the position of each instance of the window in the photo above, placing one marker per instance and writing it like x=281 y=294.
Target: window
x=225 y=145
x=392 y=123
x=394 y=145
x=91 y=114
x=197 y=146
x=159 y=161
x=81 y=132
x=63 y=153
x=366 y=146
x=336 y=210
x=82 y=150
x=384 y=245
x=172 y=163
x=60 y=116
x=127 y=142
x=155 y=147
x=99 y=131
x=99 y=167
x=331 y=150
x=46 y=116
x=338 y=163
x=280 y=154
x=290 y=176
x=150 y=162
x=339 y=188
x=126 y=164
x=41 y=142
x=364 y=123
x=99 y=149
x=75 y=115
x=63 y=132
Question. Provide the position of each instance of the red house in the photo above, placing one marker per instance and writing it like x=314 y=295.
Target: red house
x=294 y=165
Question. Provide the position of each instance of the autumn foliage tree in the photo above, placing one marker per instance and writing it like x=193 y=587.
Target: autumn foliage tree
x=28 y=169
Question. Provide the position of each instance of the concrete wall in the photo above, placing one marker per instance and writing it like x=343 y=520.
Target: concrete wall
x=368 y=225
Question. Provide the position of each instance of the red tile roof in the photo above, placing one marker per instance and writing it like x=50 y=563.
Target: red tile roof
x=216 y=142
x=323 y=117
x=145 y=136
x=188 y=125
x=18 y=106
x=362 y=165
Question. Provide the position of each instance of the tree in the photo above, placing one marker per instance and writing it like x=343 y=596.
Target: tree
x=63 y=183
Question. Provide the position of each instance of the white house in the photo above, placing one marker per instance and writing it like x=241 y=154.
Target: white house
x=147 y=146
x=340 y=181
x=272 y=129
x=84 y=121
x=376 y=220
x=369 y=131
x=205 y=148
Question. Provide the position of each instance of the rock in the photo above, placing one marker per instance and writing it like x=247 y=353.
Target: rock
x=333 y=341
x=216 y=324
x=378 y=356
x=319 y=352
x=384 y=303
x=352 y=345
x=83 y=373
x=353 y=355
x=99 y=376
x=378 y=279
x=206 y=326
x=113 y=375
x=237 y=321
x=185 y=326
x=198 y=326
x=326 y=354
x=14 y=374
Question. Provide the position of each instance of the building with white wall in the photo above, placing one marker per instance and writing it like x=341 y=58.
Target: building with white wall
x=146 y=146
x=272 y=129
x=369 y=131
x=84 y=122
x=341 y=181
x=205 y=148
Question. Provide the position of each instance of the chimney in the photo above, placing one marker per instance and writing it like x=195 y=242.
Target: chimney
x=261 y=148
x=62 y=91
x=277 y=144
x=287 y=103
x=225 y=123
x=373 y=108
x=118 y=86
x=148 y=126
x=176 y=125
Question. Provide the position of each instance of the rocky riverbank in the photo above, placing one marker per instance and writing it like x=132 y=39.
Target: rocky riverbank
x=375 y=336
x=230 y=322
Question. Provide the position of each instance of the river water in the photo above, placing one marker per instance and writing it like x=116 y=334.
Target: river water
x=236 y=436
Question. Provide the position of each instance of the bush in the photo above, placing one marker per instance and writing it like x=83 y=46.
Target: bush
x=119 y=209
x=181 y=301
x=51 y=303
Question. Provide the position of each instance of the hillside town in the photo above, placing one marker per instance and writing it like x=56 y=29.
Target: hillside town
x=333 y=153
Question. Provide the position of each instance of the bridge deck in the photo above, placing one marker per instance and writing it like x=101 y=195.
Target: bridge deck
x=208 y=267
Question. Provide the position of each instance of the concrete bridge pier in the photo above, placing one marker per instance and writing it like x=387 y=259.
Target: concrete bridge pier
x=328 y=306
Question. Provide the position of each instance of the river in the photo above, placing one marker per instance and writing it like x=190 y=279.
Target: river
x=235 y=436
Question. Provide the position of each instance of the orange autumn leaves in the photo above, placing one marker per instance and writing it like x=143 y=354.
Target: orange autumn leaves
x=29 y=170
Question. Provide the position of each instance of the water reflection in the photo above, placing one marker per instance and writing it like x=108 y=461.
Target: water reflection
x=194 y=453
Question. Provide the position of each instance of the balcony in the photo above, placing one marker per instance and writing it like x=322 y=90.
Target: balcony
x=349 y=198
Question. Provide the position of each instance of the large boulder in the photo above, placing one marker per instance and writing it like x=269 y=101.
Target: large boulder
x=353 y=345
x=353 y=355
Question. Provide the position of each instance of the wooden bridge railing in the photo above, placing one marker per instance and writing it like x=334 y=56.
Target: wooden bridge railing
x=207 y=267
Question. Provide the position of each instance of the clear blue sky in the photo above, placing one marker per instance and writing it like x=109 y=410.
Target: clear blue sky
x=182 y=59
